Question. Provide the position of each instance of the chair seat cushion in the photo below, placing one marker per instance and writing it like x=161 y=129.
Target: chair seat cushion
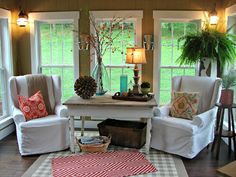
x=182 y=124
x=32 y=107
x=45 y=121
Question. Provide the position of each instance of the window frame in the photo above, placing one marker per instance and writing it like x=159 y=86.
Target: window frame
x=230 y=17
x=34 y=20
x=159 y=17
x=6 y=57
x=129 y=15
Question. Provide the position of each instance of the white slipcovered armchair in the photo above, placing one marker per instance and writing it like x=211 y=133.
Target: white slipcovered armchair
x=182 y=136
x=46 y=134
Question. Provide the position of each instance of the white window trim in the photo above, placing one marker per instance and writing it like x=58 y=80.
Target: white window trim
x=6 y=123
x=7 y=55
x=229 y=12
x=134 y=15
x=160 y=16
x=34 y=39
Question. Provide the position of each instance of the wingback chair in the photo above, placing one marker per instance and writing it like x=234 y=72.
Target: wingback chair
x=46 y=134
x=182 y=136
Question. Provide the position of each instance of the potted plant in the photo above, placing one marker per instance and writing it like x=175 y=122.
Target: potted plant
x=206 y=46
x=227 y=94
x=145 y=88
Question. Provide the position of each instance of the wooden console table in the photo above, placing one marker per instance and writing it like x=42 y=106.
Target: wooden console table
x=105 y=106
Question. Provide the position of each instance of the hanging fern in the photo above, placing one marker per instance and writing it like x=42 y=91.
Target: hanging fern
x=208 y=43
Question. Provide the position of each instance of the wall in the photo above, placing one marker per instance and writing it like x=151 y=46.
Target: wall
x=227 y=3
x=21 y=38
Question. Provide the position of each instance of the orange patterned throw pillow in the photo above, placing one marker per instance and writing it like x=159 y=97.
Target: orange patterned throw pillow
x=33 y=107
x=184 y=104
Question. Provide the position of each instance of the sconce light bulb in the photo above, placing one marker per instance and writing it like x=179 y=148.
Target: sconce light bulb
x=214 y=19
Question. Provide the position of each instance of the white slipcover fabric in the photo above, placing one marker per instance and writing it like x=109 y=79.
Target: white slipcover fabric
x=187 y=137
x=43 y=135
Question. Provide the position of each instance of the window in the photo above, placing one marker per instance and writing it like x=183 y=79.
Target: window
x=231 y=20
x=168 y=27
x=130 y=36
x=55 y=48
x=5 y=62
x=170 y=33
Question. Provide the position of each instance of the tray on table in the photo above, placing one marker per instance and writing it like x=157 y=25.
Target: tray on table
x=136 y=97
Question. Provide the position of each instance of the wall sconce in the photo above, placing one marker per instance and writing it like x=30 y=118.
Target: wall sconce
x=213 y=16
x=22 y=19
x=84 y=42
x=148 y=42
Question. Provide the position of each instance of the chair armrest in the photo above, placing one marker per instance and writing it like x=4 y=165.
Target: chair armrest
x=61 y=111
x=205 y=118
x=18 y=116
x=162 y=111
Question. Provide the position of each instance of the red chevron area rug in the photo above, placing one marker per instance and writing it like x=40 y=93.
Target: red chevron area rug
x=104 y=164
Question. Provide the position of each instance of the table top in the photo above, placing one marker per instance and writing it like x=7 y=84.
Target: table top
x=225 y=106
x=106 y=100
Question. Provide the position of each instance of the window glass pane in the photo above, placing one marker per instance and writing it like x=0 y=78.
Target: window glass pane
x=170 y=52
x=123 y=36
x=165 y=83
x=178 y=31
x=68 y=44
x=166 y=29
x=45 y=44
x=56 y=43
x=115 y=79
x=57 y=49
x=166 y=55
x=165 y=97
x=67 y=79
x=68 y=83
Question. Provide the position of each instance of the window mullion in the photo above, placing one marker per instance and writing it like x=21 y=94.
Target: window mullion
x=62 y=42
x=50 y=32
x=172 y=43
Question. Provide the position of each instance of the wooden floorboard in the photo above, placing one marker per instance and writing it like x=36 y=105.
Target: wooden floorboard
x=13 y=165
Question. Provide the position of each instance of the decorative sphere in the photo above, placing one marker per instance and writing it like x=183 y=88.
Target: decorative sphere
x=85 y=87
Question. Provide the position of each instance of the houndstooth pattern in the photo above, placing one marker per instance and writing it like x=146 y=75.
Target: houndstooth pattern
x=162 y=161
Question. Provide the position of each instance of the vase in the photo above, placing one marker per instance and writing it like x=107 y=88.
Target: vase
x=227 y=96
x=101 y=77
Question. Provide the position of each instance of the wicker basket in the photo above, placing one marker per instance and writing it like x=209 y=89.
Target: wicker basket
x=95 y=147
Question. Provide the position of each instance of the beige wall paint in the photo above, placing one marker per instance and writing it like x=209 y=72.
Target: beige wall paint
x=21 y=38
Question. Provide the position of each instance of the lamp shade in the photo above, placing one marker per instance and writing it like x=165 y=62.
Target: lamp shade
x=135 y=55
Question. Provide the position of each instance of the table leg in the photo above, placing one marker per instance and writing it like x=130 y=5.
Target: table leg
x=82 y=125
x=72 y=136
x=233 y=129
x=217 y=128
x=229 y=129
x=148 y=135
x=219 y=134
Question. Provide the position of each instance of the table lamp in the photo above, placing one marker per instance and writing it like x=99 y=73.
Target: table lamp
x=135 y=55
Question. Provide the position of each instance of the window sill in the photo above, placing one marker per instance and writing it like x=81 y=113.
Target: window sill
x=5 y=122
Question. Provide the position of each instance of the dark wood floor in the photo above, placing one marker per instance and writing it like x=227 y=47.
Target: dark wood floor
x=13 y=165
